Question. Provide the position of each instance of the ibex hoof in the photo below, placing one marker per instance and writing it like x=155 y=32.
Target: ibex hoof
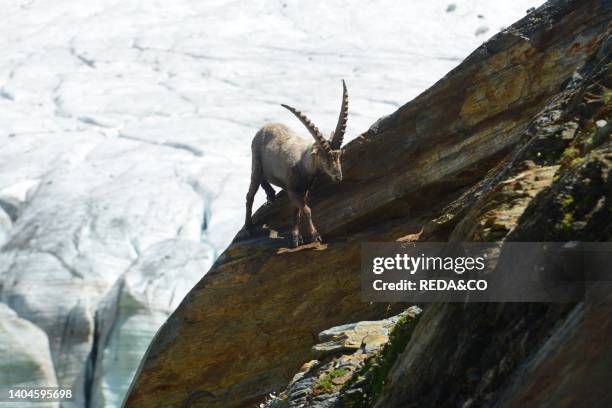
x=296 y=241
x=316 y=237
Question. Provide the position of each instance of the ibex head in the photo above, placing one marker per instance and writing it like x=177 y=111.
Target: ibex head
x=328 y=152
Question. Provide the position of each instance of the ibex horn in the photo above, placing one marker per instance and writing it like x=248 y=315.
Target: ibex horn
x=314 y=131
x=338 y=135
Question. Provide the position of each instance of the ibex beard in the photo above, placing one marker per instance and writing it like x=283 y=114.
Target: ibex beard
x=282 y=158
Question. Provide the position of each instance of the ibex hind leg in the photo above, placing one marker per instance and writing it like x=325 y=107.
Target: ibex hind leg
x=270 y=193
x=256 y=179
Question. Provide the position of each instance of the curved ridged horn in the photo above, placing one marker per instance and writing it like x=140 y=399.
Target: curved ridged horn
x=314 y=131
x=338 y=135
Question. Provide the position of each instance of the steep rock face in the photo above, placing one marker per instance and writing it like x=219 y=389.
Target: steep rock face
x=556 y=187
x=249 y=324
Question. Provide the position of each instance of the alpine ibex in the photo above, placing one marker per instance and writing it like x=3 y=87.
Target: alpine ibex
x=282 y=158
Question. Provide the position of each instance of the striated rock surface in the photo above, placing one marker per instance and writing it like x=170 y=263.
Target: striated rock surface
x=483 y=154
x=517 y=355
x=355 y=336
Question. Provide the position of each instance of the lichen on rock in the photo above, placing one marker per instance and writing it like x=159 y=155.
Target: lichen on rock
x=352 y=363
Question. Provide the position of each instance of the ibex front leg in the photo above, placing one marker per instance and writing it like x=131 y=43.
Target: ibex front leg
x=298 y=200
x=296 y=238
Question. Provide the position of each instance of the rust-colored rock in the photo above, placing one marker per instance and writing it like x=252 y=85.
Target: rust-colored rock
x=250 y=323
x=554 y=188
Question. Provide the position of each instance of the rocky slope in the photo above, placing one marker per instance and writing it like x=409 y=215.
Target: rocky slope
x=490 y=152
x=556 y=187
x=347 y=360
x=125 y=132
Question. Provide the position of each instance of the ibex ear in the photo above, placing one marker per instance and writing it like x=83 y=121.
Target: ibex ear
x=315 y=151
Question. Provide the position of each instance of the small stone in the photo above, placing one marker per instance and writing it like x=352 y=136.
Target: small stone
x=350 y=337
x=307 y=366
x=374 y=342
x=413 y=311
x=341 y=380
